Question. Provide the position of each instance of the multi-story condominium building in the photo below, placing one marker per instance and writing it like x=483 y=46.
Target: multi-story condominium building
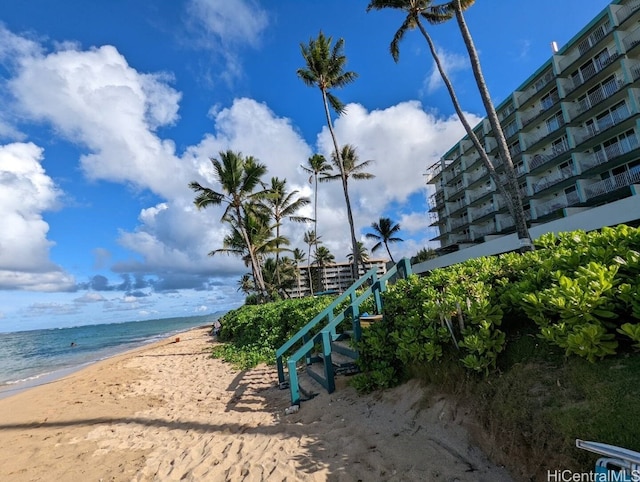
x=573 y=130
x=334 y=277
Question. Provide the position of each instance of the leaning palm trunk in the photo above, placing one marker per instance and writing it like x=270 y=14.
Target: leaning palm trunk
x=343 y=177
x=514 y=200
x=255 y=263
x=506 y=194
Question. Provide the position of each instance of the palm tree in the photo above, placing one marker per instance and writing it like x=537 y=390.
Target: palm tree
x=417 y=9
x=363 y=253
x=281 y=204
x=325 y=69
x=385 y=229
x=457 y=7
x=322 y=257
x=298 y=257
x=239 y=177
x=318 y=165
x=311 y=239
x=351 y=169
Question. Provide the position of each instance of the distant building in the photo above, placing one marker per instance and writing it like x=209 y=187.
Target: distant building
x=573 y=129
x=333 y=277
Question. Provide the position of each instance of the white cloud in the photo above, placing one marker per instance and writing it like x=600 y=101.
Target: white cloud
x=402 y=140
x=451 y=63
x=223 y=27
x=25 y=193
x=96 y=99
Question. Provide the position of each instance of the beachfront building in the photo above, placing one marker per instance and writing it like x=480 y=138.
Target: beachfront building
x=333 y=277
x=573 y=129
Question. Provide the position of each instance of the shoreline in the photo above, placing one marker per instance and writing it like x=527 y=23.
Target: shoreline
x=11 y=388
x=168 y=411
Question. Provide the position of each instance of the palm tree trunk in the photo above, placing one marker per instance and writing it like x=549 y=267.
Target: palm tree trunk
x=389 y=251
x=315 y=213
x=354 y=243
x=503 y=149
x=467 y=127
x=309 y=270
x=255 y=265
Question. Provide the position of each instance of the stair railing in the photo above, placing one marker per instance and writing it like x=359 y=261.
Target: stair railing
x=328 y=333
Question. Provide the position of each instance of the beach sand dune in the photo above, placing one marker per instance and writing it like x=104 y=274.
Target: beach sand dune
x=170 y=412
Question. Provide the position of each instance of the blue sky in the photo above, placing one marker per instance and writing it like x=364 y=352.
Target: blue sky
x=108 y=109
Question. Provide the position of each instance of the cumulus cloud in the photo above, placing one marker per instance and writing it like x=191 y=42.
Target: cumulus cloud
x=25 y=193
x=402 y=141
x=96 y=99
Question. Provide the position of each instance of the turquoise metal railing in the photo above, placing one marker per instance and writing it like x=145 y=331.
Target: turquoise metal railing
x=309 y=337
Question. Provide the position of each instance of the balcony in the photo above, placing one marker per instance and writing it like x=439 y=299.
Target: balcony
x=456 y=206
x=611 y=184
x=475 y=214
x=625 y=12
x=474 y=196
x=590 y=71
x=540 y=84
x=476 y=175
x=607 y=154
x=550 y=129
x=560 y=202
x=591 y=100
x=542 y=159
x=587 y=44
x=528 y=119
x=458 y=222
x=478 y=233
x=585 y=133
x=553 y=179
x=631 y=40
x=436 y=201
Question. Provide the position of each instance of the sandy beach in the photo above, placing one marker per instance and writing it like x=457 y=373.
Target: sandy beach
x=170 y=412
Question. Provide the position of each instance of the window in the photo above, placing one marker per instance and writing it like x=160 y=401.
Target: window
x=549 y=100
x=554 y=122
x=560 y=145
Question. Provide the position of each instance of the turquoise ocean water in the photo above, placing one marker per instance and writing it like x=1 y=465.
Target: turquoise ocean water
x=29 y=358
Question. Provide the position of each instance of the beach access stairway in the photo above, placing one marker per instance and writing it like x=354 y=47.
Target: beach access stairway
x=319 y=348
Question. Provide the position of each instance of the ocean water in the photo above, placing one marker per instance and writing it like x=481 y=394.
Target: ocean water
x=29 y=358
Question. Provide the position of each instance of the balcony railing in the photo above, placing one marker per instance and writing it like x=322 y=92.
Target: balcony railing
x=474 y=196
x=477 y=175
x=555 y=178
x=612 y=183
x=458 y=222
x=590 y=71
x=625 y=12
x=528 y=119
x=556 y=203
x=537 y=87
x=478 y=233
x=541 y=159
x=478 y=213
x=631 y=40
x=436 y=200
x=456 y=206
x=608 y=153
x=534 y=138
x=591 y=100
x=586 y=133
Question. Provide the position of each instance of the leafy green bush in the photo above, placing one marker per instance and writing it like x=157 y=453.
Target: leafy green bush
x=254 y=332
x=579 y=289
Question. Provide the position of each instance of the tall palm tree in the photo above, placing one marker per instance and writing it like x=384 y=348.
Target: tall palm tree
x=318 y=165
x=311 y=239
x=363 y=254
x=325 y=69
x=385 y=229
x=417 y=9
x=322 y=257
x=299 y=257
x=457 y=7
x=241 y=181
x=350 y=169
x=282 y=205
